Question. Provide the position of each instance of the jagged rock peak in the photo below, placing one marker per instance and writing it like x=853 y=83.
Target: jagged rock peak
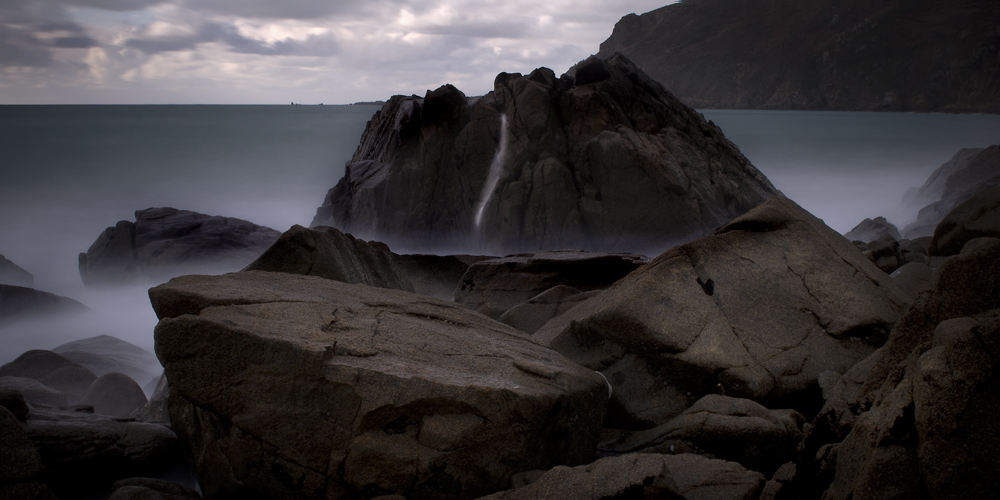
x=606 y=161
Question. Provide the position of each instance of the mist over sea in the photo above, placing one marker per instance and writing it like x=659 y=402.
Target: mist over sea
x=68 y=172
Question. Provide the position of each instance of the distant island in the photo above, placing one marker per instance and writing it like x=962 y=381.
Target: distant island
x=368 y=103
x=893 y=55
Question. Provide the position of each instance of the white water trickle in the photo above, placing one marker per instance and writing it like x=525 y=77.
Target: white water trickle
x=494 y=176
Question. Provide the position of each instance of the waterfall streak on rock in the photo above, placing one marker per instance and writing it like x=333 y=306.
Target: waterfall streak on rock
x=494 y=176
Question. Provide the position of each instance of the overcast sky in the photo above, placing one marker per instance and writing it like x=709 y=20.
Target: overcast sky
x=271 y=51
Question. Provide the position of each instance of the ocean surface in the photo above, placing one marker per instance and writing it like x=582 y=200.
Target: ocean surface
x=68 y=172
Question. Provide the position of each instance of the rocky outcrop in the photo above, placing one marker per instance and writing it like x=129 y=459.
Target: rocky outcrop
x=19 y=303
x=493 y=286
x=12 y=274
x=115 y=395
x=35 y=392
x=343 y=390
x=757 y=310
x=871 y=431
x=977 y=217
x=871 y=229
x=166 y=242
x=967 y=173
x=328 y=253
x=106 y=354
x=51 y=370
x=688 y=477
x=893 y=55
x=20 y=465
x=608 y=161
x=738 y=430
x=437 y=275
x=146 y=488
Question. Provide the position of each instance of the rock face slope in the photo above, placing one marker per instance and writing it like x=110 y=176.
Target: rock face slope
x=894 y=55
x=960 y=178
x=166 y=242
x=757 y=310
x=607 y=161
x=289 y=386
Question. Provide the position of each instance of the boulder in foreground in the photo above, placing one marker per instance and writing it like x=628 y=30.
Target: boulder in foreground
x=757 y=310
x=336 y=390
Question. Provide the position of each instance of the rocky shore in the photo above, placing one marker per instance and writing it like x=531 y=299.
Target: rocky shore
x=762 y=357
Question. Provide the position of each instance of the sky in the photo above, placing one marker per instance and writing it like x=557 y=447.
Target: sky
x=276 y=52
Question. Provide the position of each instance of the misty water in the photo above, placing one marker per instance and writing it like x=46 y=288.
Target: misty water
x=68 y=172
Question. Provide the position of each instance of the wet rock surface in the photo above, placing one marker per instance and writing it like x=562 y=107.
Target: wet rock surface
x=167 y=242
x=608 y=161
x=757 y=310
x=343 y=390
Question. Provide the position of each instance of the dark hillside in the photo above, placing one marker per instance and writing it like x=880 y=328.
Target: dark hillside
x=892 y=55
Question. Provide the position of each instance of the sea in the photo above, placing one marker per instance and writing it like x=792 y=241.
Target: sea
x=68 y=172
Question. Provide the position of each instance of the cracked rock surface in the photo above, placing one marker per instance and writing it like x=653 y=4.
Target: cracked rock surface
x=296 y=386
x=757 y=310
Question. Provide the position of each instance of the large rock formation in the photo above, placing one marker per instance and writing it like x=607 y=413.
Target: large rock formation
x=53 y=371
x=106 y=354
x=12 y=274
x=607 y=161
x=757 y=310
x=289 y=386
x=19 y=303
x=965 y=174
x=166 y=242
x=892 y=55
x=331 y=254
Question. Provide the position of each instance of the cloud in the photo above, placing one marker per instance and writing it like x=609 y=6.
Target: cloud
x=304 y=50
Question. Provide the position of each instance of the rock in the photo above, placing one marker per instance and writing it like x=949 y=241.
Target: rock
x=737 y=430
x=105 y=354
x=331 y=254
x=977 y=217
x=437 y=275
x=967 y=173
x=35 y=392
x=915 y=250
x=52 y=370
x=774 y=487
x=166 y=242
x=692 y=322
x=14 y=402
x=17 y=303
x=155 y=410
x=819 y=56
x=876 y=397
x=610 y=161
x=885 y=253
x=496 y=285
x=85 y=453
x=146 y=488
x=870 y=230
x=913 y=278
x=688 y=477
x=933 y=435
x=12 y=274
x=115 y=395
x=336 y=389
x=531 y=314
x=20 y=465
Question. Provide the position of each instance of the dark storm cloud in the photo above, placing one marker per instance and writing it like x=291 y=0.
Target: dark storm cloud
x=28 y=30
x=312 y=45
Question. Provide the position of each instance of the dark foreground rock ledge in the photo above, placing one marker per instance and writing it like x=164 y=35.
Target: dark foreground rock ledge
x=610 y=161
